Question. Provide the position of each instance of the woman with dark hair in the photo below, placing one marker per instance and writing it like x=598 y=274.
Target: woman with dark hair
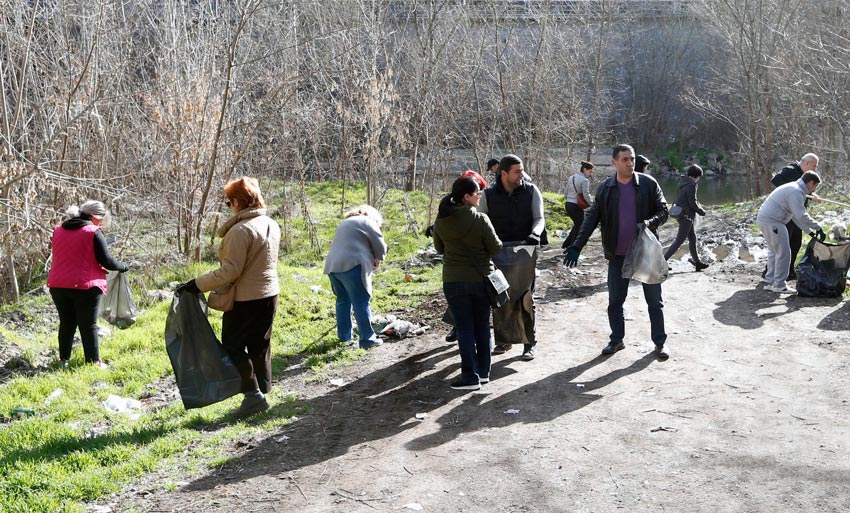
x=77 y=278
x=467 y=240
x=248 y=253
x=686 y=198
x=577 y=185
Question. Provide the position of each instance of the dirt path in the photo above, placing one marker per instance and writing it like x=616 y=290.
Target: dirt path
x=749 y=414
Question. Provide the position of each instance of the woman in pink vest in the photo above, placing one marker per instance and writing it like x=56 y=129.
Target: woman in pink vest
x=77 y=278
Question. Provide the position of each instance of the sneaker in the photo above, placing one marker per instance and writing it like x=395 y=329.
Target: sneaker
x=460 y=385
x=251 y=404
x=528 y=353
x=784 y=290
x=452 y=335
x=484 y=379
x=502 y=348
x=661 y=354
x=370 y=345
x=64 y=365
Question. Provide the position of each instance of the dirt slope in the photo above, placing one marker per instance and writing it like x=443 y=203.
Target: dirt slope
x=749 y=414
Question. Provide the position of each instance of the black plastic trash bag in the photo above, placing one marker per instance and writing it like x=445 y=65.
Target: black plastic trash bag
x=205 y=373
x=644 y=262
x=822 y=272
x=117 y=306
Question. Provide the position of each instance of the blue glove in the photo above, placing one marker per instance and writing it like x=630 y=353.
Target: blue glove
x=190 y=287
x=571 y=258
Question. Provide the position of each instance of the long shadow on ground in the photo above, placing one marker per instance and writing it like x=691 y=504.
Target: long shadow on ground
x=748 y=309
x=385 y=402
x=379 y=405
x=541 y=401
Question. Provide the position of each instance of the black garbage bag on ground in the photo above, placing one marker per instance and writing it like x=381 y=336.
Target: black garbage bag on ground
x=117 y=306
x=822 y=272
x=205 y=373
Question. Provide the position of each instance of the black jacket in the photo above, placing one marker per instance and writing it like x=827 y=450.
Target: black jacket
x=686 y=197
x=790 y=173
x=651 y=210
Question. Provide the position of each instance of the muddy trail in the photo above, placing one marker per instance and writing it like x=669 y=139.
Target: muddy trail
x=748 y=414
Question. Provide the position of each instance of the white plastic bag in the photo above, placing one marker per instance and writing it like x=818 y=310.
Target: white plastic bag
x=644 y=262
x=117 y=306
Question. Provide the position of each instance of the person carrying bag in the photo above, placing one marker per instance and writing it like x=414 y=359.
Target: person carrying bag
x=467 y=240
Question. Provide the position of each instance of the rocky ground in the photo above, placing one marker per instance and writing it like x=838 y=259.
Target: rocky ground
x=749 y=413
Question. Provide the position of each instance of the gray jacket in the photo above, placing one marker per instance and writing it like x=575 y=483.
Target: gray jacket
x=357 y=241
x=785 y=203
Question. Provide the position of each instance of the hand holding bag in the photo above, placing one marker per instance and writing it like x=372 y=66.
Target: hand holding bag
x=497 y=288
x=580 y=201
x=644 y=262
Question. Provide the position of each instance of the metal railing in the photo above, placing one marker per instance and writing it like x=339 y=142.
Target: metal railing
x=528 y=10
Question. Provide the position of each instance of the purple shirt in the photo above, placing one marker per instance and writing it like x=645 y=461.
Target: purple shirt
x=626 y=217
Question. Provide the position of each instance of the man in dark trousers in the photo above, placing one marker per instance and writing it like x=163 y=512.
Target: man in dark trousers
x=515 y=208
x=790 y=174
x=623 y=205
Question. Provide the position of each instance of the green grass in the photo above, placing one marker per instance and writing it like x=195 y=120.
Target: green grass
x=72 y=451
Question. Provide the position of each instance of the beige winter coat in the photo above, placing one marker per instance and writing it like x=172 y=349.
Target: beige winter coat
x=248 y=237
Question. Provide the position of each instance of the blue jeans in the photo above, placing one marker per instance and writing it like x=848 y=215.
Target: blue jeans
x=470 y=307
x=618 y=288
x=351 y=294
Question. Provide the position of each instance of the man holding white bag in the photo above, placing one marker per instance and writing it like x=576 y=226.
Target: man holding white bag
x=624 y=205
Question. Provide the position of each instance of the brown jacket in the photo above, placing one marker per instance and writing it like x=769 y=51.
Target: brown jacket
x=249 y=237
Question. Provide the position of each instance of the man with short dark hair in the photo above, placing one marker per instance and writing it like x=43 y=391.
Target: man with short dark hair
x=623 y=205
x=515 y=208
x=493 y=166
x=785 y=205
x=790 y=174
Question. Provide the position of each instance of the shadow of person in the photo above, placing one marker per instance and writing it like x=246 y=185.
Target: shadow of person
x=748 y=309
x=541 y=401
x=836 y=320
x=376 y=406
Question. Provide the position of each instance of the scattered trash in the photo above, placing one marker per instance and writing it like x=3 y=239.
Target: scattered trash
x=663 y=428
x=421 y=416
x=53 y=395
x=393 y=327
x=281 y=439
x=579 y=385
x=414 y=506
x=317 y=289
x=408 y=278
x=337 y=382
x=511 y=411
x=94 y=508
x=118 y=404
x=425 y=257
x=22 y=412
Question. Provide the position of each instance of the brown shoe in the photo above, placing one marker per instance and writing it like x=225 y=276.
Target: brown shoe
x=251 y=404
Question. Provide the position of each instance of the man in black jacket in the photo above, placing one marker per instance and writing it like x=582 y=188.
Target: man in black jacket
x=624 y=204
x=791 y=173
